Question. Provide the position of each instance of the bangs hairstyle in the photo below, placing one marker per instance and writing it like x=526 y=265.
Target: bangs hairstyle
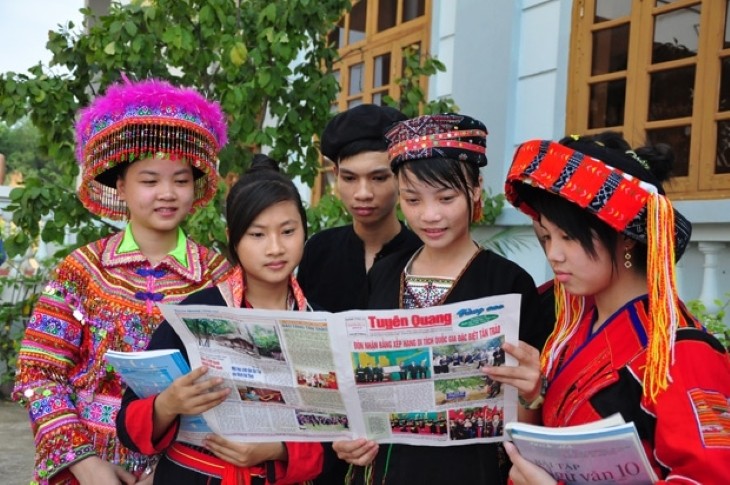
x=259 y=188
x=577 y=223
x=443 y=173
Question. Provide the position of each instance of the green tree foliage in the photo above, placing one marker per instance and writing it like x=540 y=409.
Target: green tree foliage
x=19 y=143
x=267 y=63
x=714 y=321
x=413 y=100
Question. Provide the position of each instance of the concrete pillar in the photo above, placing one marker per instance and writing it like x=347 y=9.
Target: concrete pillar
x=710 y=287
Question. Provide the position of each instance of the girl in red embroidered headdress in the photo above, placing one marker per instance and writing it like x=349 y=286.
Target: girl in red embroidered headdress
x=148 y=154
x=437 y=159
x=623 y=341
x=267 y=228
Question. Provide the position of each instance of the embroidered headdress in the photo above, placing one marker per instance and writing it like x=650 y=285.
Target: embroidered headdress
x=452 y=136
x=147 y=119
x=619 y=189
x=446 y=136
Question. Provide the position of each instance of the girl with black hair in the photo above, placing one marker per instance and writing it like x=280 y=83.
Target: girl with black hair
x=437 y=159
x=148 y=154
x=623 y=340
x=267 y=228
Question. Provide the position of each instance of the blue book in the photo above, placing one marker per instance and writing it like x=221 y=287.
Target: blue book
x=148 y=372
x=152 y=371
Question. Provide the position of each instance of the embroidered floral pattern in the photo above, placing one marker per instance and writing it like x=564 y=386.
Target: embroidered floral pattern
x=88 y=308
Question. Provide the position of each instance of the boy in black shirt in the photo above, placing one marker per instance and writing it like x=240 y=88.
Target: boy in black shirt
x=333 y=270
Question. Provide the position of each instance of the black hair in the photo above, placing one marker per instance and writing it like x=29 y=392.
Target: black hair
x=361 y=146
x=650 y=163
x=443 y=172
x=576 y=222
x=260 y=187
x=119 y=171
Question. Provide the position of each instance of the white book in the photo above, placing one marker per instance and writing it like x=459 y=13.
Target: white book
x=605 y=451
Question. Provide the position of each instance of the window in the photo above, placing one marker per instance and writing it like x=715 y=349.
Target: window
x=370 y=41
x=657 y=71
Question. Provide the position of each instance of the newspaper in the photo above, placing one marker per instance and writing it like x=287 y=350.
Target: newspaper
x=395 y=376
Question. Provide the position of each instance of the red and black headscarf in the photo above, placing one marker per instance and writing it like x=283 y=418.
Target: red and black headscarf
x=619 y=189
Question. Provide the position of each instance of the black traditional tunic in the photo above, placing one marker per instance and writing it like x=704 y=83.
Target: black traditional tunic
x=332 y=271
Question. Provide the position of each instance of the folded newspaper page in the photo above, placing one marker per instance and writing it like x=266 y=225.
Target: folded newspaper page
x=395 y=376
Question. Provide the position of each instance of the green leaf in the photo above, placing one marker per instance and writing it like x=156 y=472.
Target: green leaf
x=131 y=28
x=239 y=54
x=206 y=14
x=150 y=12
x=269 y=12
x=414 y=97
x=115 y=27
x=137 y=44
x=263 y=78
x=173 y=36
x=110 y=48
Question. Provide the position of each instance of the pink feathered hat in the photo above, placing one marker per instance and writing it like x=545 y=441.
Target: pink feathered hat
x=146 y=119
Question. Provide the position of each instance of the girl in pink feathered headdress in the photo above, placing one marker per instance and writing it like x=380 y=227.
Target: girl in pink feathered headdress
x=148 y=154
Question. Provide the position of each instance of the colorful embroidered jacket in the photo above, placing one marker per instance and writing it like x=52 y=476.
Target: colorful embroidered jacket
x=686 y=432
x=99 y=298
x=188 y=464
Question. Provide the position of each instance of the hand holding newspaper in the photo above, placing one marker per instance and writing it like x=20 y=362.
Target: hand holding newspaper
x=149 y=373
x=397 y=376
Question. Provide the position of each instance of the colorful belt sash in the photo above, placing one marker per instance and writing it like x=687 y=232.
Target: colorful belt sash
x=188 y=457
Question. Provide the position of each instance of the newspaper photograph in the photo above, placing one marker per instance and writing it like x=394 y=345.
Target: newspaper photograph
x=394 y=376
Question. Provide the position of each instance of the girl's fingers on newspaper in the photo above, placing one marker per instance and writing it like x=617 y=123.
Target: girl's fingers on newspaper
x=364 y=459
x=525 y=379
x=523 y=352
x=194 y=374
x=207 y=400
x=207 y=385
x=358 y=452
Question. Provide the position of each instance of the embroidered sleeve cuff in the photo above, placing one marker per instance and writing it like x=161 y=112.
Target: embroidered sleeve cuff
x=55 y=455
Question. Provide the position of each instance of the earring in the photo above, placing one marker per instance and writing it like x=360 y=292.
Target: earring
x=477 y=209
x=627 y=259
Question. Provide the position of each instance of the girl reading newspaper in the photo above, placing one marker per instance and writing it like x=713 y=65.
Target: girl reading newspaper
x=267 y=229
x=437 y=160
x=624 y=342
